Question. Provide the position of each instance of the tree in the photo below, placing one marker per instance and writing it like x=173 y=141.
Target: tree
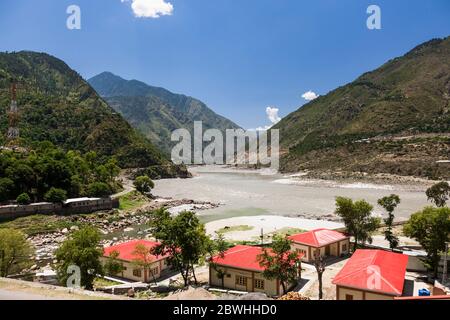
x=143 y=184
x=320 y=268
x=56 y=195
x=98 y=189
x=144 y=260
x=280 y=262
x=439 y=193
x=389 y=204
x=431 y=228
x=217 y=248
x=6 y=187
x=358 y=219
x=36 y=171
x=113 y=266
x=15 y=252
x=82 y=250
x=23 y=199
x=183 y=238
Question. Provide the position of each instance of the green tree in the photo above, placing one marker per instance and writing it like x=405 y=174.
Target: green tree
x=358 y=219
x=439 y=193
x=6 y=187
x=113 y=266
x=143 y=184
x=56 y=195
x=280 y=262
x=83 y=250
x=98 y=189
x=183 y=238
x=15 y=252
x=389 y=204
x=431 y=228
x=112 y=169
x=23 y=199
x=22 y=175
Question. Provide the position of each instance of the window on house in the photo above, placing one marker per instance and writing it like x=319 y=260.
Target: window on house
x=228 y=275
x=348 y=297
x=241 y=281
x=344 y=247
x=155 y=271
x=259 y=284
x=137 y=273
x=302 y=251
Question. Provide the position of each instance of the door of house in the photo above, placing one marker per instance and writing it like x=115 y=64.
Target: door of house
x=327 y=250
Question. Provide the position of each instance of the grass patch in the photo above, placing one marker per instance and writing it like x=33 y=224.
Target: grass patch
x=132 y=200
x=235 y=229
x=102 y=283
x=37 y=224
x=231 y=244
x=287 y=231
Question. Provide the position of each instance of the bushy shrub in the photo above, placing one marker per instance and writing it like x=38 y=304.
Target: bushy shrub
x=56 y=195
x=23 y=199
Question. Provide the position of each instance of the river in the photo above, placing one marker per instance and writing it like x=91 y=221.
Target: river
x=256 y=193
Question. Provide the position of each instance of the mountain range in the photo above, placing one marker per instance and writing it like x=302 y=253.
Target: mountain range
x=156 y=112
x=57 y=105
x=395 y=119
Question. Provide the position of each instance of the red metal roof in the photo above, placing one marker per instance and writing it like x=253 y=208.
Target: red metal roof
x=126 y=249
x=243 y=257
x=318 y=238
x=374 y=270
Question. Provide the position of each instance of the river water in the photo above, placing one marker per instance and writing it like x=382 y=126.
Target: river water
x=256 y=193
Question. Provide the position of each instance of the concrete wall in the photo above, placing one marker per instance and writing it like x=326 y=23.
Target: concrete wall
x=17 y=211
x=342 y=292
x=270 y=286
x=147 y=277
x=342 y=245
x=304 y=249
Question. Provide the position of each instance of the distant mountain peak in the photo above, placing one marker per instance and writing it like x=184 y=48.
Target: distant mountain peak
x=408 y=96
x=156 y=111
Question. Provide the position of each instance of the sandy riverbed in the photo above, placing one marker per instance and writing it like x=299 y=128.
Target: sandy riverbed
x=269 y=224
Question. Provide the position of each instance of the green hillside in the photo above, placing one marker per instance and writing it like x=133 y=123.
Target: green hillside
x=156 y=112
x=402 y=108
x=57 y=105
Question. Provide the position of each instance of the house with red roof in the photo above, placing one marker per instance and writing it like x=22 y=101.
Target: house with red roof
x=133 y=261
x=372 y=275
x=320 y=241
x=242 y=272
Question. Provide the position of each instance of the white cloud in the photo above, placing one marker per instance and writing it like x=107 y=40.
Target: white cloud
x=261 y=128
x=310 y=95
x=150 y=8
x=272 y=115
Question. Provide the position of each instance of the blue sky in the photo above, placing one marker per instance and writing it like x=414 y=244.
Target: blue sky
x=238 y=56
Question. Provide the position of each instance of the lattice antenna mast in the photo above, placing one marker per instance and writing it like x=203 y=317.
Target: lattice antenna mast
x=13 y=117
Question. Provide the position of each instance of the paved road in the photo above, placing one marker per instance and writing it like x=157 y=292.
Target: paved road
x=14 y=295
x=127 y=187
